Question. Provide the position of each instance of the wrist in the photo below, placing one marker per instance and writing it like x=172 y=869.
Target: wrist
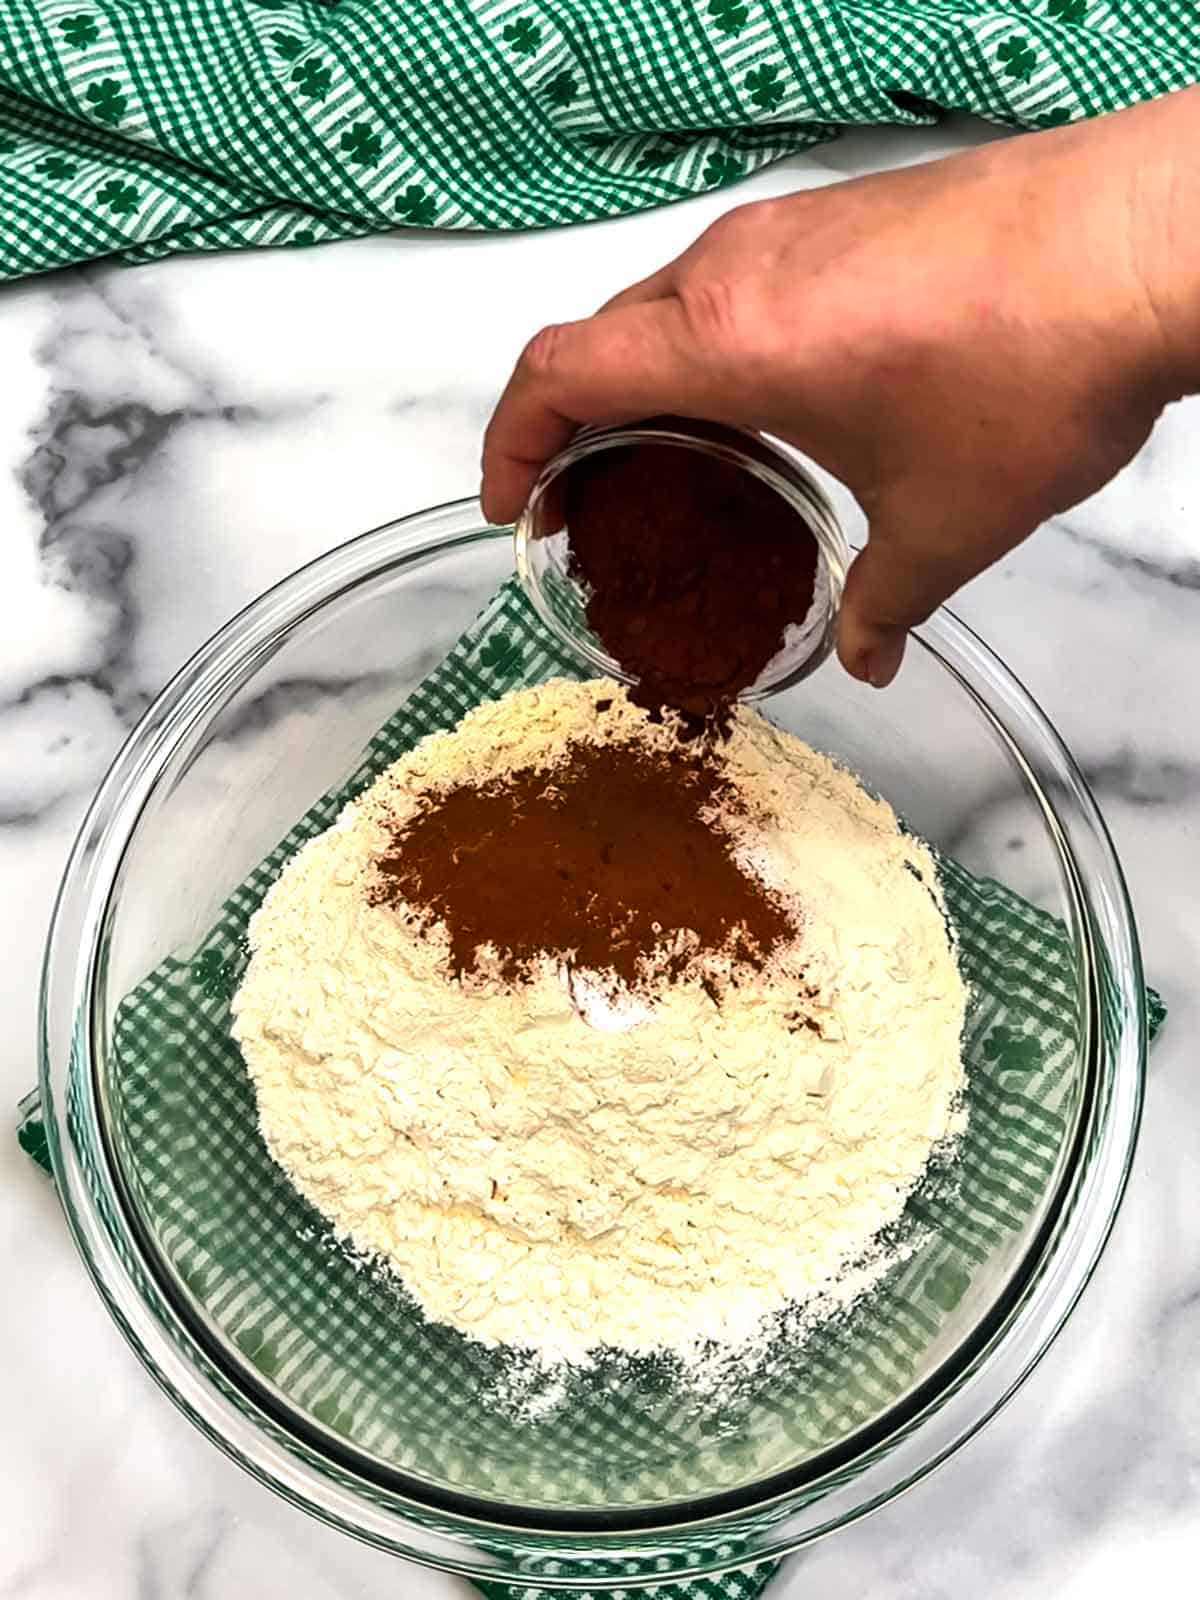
x=1163 y=188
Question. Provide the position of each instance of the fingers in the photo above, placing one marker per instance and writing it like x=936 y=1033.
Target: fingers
x=901 y=577
x=525 y=431
x=657 y=286
x=617 y=366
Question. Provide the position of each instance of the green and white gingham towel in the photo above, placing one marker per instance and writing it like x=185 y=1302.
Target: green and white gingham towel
x=137 y=128
x=362 y=1362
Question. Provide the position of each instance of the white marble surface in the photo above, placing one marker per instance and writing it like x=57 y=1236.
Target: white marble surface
x=173 y=439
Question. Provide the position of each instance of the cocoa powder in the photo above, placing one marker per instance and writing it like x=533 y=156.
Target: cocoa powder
x=693 y=569
x=608 y=861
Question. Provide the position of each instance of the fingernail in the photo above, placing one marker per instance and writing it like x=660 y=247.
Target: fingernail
x=883 y=662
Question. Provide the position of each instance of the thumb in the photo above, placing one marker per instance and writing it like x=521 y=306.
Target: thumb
x=622 y=364
x=898 y=581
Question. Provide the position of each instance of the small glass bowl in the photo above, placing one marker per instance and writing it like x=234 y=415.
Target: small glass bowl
x=543 y=552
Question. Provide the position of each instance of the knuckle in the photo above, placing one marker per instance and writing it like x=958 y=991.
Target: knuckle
x=711 y=305
x=542 y=356
x=732 y=321
x=744 y=227
x=766 y=217
x=733 y=223
x=725 y=291
x=718 y=233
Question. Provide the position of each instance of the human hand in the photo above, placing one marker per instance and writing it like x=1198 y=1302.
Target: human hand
x=971 y=346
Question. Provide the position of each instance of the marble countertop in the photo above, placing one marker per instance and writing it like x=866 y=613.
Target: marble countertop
x=175 y=438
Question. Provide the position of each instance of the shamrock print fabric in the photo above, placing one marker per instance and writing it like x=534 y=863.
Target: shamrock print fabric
x=136 y=128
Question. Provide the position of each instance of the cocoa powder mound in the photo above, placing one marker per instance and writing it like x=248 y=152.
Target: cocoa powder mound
x=693 y=568
x=606 y=861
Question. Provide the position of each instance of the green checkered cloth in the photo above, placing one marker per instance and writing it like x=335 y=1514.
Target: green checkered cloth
x=138 y=128
x=347 y=1346
x=740 y=1584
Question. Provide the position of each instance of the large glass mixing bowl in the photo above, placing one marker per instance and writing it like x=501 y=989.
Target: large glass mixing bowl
x=628 y=1476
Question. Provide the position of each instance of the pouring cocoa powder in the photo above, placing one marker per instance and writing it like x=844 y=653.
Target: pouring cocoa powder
x=619 y=862
x=609 y=862
x=693 y=568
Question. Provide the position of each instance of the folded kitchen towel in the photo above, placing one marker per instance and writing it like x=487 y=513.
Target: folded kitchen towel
x=138 y=128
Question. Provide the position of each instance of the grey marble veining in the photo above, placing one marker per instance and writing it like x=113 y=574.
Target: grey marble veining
x=173 y=440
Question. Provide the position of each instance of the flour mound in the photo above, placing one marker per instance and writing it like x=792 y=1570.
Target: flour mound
x=555 y=1169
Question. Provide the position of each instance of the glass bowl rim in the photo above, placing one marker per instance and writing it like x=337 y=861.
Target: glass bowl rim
x=1073 y=1237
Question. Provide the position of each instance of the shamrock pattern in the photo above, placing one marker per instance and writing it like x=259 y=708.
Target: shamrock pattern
x=730 y=16
x=721 y=168
x=1019 y=60
x=947 y=1284
x=80 y=31
x=31 y=1136
x=562 y=88
x=764 y=88
x=361 y=144
x=501 y=655
x=57 y=168
x=216 y=976
x=178 y=94
x=1011 y=1049
x=313 y=78
x=118 y=196
x=107 y=101
x=415 y=205
x=656 y=156
x=522 y=36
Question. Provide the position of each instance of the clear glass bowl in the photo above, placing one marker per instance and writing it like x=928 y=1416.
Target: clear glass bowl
x=275 y=711
x=542 y=541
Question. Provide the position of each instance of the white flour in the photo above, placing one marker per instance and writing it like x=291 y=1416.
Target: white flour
x=547 y=1172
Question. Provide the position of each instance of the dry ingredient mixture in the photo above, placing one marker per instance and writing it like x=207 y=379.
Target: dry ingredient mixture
x=612 y=860
x=597 y=1038
x=693 y=568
